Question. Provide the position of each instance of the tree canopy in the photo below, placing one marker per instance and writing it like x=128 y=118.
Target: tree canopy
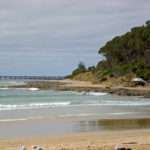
x=80 y=69
x=125 y=54
x=128 y=53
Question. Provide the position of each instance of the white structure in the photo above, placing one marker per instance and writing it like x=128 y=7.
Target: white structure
x=139 y=81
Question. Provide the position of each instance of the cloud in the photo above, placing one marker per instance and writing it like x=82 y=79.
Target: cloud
x=30 y=27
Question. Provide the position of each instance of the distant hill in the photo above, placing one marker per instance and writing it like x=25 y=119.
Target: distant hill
x=125 y=54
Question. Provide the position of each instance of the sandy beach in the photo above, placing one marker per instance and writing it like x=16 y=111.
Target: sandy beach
x=115 y=89
x=78 y=133
x=135 y=139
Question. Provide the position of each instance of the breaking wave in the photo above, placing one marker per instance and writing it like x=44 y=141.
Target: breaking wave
x=33 y=105
x=96 y=93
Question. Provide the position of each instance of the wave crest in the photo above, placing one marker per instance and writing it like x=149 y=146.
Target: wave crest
x=97 y=93
x=33 y=105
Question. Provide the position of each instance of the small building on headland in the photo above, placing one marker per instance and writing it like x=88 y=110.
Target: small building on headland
x=138 y=81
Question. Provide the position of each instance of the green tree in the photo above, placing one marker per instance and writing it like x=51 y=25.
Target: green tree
x=148 y=22
x=80 y=69
x=128 y=53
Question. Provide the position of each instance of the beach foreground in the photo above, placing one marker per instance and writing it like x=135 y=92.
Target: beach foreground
x=134 y=139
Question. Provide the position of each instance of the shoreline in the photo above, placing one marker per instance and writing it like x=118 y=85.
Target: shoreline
x=86 y=86
x=135 y=139
x=131 y=132
x=66 y=126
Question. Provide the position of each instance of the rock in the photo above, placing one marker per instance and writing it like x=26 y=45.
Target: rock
x=130 y=143
x=40 y=148
x=147 y=96
x=37 y=147
x=34 y=147
x=22 y=147
x=121 y=147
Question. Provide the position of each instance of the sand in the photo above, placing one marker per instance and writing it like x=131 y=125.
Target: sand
x=115 y=89
x=107 y=140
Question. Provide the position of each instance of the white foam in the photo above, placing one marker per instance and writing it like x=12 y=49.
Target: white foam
x=19 y=119
x=4 y=88
x=78 y=115
x=13 y=120
x=123 y=113
x=97 y=93
x=32 y=105
x=33 y=89
x=29 y=89
x=120 y=104
x=38 y=105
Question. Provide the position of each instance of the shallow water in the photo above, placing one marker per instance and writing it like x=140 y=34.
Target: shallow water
x=34 y=112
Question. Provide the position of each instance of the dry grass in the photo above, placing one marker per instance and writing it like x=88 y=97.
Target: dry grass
x=87 y=76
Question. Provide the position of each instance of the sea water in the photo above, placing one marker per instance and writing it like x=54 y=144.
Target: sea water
x=35 y=112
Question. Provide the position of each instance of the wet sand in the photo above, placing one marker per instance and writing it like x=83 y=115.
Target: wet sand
x=132 y=133
x=61 y=127
x=135 y=139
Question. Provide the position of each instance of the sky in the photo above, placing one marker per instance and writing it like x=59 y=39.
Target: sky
x=50 y=37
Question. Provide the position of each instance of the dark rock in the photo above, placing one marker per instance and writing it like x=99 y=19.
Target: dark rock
x=120 y=147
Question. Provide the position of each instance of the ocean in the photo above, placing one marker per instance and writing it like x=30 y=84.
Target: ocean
x=32 y=112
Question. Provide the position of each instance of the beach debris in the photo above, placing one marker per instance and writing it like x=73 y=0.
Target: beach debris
x=22 y=147
x=37 y=147
x=40 y=148
x=130 y=143
x=121 y=147
x=34 y=147
x=138 y=81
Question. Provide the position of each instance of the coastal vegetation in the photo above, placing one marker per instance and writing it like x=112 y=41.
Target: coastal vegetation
x=80 y=69
x=127 y=56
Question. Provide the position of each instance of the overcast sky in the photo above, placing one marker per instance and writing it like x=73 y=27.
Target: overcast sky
x=50 y=37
